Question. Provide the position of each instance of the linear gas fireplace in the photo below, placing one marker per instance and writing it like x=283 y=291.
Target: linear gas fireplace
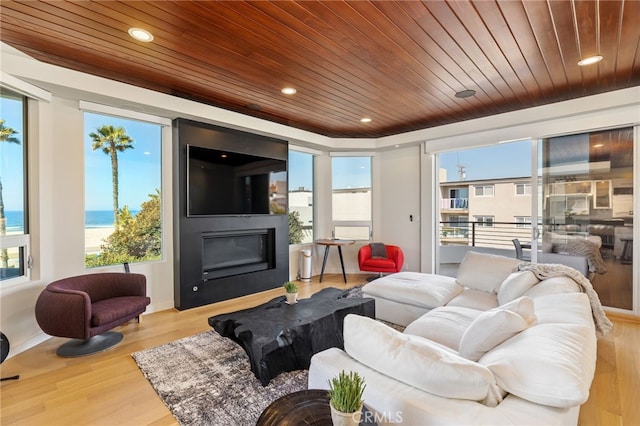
x=227 y=253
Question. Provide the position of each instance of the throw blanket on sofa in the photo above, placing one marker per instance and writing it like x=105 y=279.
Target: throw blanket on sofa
x=544 y=271
x=586 y=249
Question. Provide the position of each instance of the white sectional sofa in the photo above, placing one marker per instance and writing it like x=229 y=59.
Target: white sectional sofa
x=493 y=346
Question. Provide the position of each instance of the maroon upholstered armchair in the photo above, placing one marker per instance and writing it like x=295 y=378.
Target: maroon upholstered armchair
x=389 y=260
x=85 y=307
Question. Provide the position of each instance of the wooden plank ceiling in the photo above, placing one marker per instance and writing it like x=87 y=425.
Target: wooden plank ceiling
x=398 y=62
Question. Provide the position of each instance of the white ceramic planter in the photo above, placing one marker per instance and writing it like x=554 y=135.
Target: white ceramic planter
x=292 y=298
x=338 y=418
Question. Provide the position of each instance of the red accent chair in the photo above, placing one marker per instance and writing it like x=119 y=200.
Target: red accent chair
x=86 y=307
x=392 y=263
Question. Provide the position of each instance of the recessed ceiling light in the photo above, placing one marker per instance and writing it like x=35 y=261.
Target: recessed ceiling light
x=140 y=34
x=289 y=91
x=366 y=120
x=598 y=145
x=590 y=60
x=465 y=93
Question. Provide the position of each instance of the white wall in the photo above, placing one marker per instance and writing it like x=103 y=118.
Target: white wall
x=400 y=182
x=402 y=177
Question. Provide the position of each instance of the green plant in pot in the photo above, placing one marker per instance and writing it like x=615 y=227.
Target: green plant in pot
x=345 y=398
x=291 y=290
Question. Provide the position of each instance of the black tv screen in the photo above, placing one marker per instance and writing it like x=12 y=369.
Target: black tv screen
x=229 y=183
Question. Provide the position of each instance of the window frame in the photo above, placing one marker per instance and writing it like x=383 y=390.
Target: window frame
x=313 y=154
x=524 y=189
x=484 y=187
x=481 y=220
x=163 y=123
x=521 y=222
x=353 y=224
x=22 y=242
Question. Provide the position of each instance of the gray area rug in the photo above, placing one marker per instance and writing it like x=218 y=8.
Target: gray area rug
x=206 y=379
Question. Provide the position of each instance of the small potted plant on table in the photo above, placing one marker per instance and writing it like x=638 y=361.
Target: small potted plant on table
x=291 y=290
x=345 y=398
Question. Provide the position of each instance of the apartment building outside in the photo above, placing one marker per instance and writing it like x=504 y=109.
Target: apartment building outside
x=487 y=212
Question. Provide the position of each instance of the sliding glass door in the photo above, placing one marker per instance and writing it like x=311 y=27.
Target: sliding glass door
x=586 y=206
x=579 y=202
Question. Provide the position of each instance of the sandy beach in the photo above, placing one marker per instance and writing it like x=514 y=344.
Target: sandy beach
x=93 y=238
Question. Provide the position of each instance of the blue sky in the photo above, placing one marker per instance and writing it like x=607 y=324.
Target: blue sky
x=300 y=170
x=493 y=162
x=11 y=156
x=139 y=168
x=347 y=172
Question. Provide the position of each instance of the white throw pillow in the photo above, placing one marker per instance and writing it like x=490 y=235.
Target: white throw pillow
x=516 y=285
x=485 y=272
x=494 y=326
x=418 y=362
x=549 y=364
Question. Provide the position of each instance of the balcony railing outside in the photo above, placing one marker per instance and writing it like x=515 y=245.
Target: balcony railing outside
x=454 y=203
x=483 y=234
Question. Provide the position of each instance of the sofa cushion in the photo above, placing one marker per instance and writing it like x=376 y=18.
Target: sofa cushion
x=516 y=284
x=475 y=299
x=444 y=325
x=564 y=308
x=549 y=364
x=418 y=362
x=555 y=285
x=379 y=263
x=108 y=310
x=414 y=288
x=485 y=272
x=494 y=326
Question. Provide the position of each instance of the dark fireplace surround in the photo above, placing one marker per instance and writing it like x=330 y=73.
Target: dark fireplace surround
x=219 y=257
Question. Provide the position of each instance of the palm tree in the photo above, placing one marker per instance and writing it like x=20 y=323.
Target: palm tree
x=112 y=140
x=6 y=135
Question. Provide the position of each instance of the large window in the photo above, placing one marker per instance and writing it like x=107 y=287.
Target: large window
x=122 y=190
x=351 y=197
x=300 y=197
x=14 y=227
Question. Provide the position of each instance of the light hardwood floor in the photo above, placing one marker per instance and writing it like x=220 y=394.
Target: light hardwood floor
x=109 y=389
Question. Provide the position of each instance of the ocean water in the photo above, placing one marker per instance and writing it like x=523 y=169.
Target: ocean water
x=15 y=220
x=100 y=218
x=92 y=219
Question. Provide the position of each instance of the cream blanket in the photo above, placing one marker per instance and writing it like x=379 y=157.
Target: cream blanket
x=544 y=271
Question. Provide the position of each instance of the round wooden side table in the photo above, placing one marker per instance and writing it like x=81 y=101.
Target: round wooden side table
x=328 y=243
x=306 y=407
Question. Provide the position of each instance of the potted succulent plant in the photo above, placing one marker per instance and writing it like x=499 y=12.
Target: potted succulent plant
x=291 y=290
x=345 y=398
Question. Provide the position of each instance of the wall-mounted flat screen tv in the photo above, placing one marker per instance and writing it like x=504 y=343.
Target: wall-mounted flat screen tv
x=230 y=183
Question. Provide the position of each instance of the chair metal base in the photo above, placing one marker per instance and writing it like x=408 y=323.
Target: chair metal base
x=374 y=277
x=100 y=343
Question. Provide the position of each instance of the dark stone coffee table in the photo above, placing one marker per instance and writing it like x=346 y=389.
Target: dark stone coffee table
x=279 y=337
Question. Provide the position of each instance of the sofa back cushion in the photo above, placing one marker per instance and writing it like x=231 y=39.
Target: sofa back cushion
x=549 y=364
x=418 y=362
x=554 y=285
x=494 y=326
x=444 y=325
x=485 y=272
x=516 y=284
